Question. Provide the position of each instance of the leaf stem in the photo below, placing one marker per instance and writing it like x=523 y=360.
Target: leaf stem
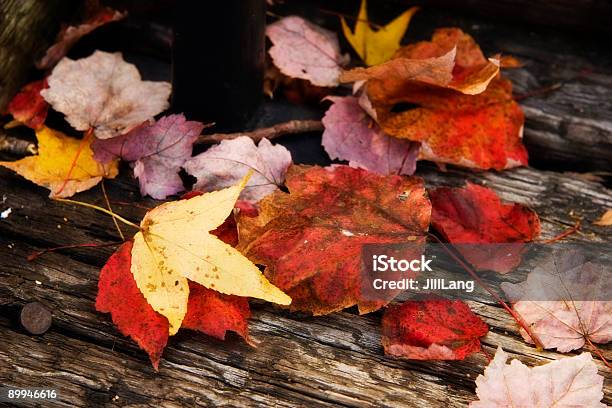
x=286 y=128
x=474 y=275
x=104 y=210
x=111 y=210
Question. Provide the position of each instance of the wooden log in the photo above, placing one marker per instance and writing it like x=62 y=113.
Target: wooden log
x=27 y=27
x=301 y=361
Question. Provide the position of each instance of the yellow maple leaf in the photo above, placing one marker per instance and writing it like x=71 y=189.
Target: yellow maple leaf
x=58 y=156
x=175 y=244
x=376 y=47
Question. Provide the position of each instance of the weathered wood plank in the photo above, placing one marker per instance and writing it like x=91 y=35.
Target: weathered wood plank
x=302 y=361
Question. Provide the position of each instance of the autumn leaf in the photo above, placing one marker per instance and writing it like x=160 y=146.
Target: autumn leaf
x=471 y=121
x=104 y=93
x=438 y=329
x=568 y=382
x=605 y=220
x=376 y=46
x=228 y=162
x=158 y=149
x=475 y=215
x=28 y=106
x=310 y=239
x=69 y=36
x=56 y=152
x=563 y=300
x=174 y=245
x=304 y=50
x=207 y=311
x=350 y=134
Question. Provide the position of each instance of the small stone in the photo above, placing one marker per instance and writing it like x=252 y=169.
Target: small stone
x=35 y=318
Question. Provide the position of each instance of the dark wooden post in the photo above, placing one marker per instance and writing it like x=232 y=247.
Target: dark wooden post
x=218 y=60
x=27 y=27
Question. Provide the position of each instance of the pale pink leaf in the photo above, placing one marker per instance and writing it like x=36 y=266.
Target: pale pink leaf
x=227 y=163
x=105 y=93
x=568 y=382
x=304 y=50
x=158 y=150
x=564 y=302
x=350 y=134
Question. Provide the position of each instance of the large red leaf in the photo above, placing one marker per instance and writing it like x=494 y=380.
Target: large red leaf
x=432 y=330
x=311 y=239
x=475 y=215
x=28 y=106
x=208 y=311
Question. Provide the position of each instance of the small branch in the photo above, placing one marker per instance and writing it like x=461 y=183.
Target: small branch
x=16 y=146
x=280 y=129
x=564 y=234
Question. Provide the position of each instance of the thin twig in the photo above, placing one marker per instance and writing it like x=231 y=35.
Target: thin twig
x=111 y=210
x=35 y=255
x=280 y=129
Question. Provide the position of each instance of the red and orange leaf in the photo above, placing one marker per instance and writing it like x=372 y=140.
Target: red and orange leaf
x=475 y=215
x=437 y=329
x=28 y=106
x=471 y=121
x=311 y=239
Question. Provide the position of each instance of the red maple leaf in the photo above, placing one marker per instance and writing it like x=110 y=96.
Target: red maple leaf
x=437 y=329
x=208 y=311
x=475 y=215
x=28 y=106
x=311 y=240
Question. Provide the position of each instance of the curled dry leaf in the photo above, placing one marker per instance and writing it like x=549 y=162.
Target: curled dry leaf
x=471 y=121
x=568 y=382
x=208 y=311
x=350 y=134
x=311 y=239
x=175 y=245
x=227 y=163
x=437 y=329
x=376 y=46
x=69 y=36
x=304 y=50
x=475 y=215
x=28 y=106
x=564 y=301
x=605 y=220
x=104 y=93
x=56 y=153
x=158 y=149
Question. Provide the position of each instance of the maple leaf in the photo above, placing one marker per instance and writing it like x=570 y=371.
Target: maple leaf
x=475 y=215
x=568 y=382
x=605 y=220
x=68 y=36
x=28 y=106
x=311 y=239
x=350 y=134
x=470 y=121
x=438 y=329
x=174 y=244
x=226 y=163
x=562 y=302
x=376 y=47
x=304 y=50
x=56 y=152
x=208 y=311
x=104 y=93
x=158 y=149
